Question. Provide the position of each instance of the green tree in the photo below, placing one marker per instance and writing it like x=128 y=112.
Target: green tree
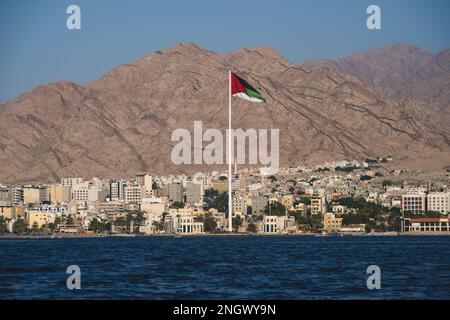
x=69 y=220
x=433 y=214
x=96 y=225
x=139 y=217
x=3 y=224
x=20 y=226
x=251 y=227
x=35 y=227
x=236 y=222
x=305 y=200
x=154 y=186
x=217 y=201
x=159 y=226
x=386 y=183
x=275 y=209
x=177 y=205
x=209 y=223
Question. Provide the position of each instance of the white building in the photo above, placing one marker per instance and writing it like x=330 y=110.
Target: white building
x=133 y=194
x=71 y=182
x=439 y=201
x=276 y=224
x=80 y=194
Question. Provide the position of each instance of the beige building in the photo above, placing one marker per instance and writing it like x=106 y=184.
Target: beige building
x=299 y=208
x=239 y=205
x=220 y=187
x=80 y=194
x=153 y=206
x=71 y=182
x=331 y=222
x=276 y=224
x=439 y=202
x=287 y=201
x=40 y=218
x=134 y=194
x=12 y=212
x=187 y=225
x=59 y=193
x=339 y=209
x=317 y=205
x=34 y=195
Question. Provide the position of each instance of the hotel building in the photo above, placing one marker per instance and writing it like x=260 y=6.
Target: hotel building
x=414 y=203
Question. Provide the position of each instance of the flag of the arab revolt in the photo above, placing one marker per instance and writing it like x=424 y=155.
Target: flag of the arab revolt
x=241 y=89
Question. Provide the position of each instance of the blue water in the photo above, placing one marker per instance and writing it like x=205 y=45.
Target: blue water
x=226 y=268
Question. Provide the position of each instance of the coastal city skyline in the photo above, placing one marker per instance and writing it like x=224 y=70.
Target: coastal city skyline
x=333 y=198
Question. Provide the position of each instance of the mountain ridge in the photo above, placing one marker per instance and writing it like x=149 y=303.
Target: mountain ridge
x=401 y=71
x=121 y=123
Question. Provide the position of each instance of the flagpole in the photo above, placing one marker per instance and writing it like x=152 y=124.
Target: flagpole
x=230 y=199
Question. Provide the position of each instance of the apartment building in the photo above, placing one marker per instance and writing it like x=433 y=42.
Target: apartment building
x=439 y=202
x=194 y=192
x=317 y=205
x=71 y=182
x=331 y=222
x=414 y=203
x=175 y=191
x=59 y=193
x=134 y=194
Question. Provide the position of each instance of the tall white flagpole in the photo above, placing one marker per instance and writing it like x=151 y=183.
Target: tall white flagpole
x=230 y=198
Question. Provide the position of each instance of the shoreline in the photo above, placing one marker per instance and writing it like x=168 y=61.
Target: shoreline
x=297 y=235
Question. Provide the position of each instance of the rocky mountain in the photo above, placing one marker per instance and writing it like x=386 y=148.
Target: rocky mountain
x=401 y=72
x=122 y=123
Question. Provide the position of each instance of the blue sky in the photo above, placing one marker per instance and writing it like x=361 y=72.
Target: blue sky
x=37 y=48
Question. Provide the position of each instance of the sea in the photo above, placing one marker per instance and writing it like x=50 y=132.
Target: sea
x=226 y=268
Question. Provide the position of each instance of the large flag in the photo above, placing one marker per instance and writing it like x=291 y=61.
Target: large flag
x=241 y=89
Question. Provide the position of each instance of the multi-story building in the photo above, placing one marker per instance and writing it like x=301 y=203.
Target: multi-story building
x=439 y=201
x=175 y=191
x=40 y=218
x=220 y=187
x=34 y=195
x=331 y=222
x=194 y=192
x=317 y=205
x=12 y=212
x=71 y=182
x=116 y=190
x=259 y=203
x=96 y=195
x=145 y=180
x=239 y=205
x=287 y=201
x=5 y=196
x=300 y=208
x=339 y=209
x=414 y=203
x=134 y=194
x=80 y=194
x=59 y=193
x=154 y=206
